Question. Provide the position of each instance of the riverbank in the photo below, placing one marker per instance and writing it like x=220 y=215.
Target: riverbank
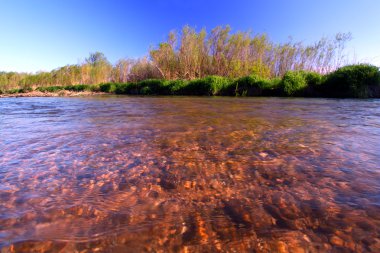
x=63 y=93
x=355 y=81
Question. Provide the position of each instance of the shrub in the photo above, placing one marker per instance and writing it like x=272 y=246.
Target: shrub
x=217 y=83
x=50 y=89
x=128 y=88
x=208 y=86
x=25 y=90
x=95 y=88
x=118 y=88
x=78 y=87
x=313 y=81
x=252 y=85
x=357 y=81
x=107 y=87
x=146 y=87
x=272 y=87
x=153 y=87
x=175 y=87
x=13 y=91
x=294 y=83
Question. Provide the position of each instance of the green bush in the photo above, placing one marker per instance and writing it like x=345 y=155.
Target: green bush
x=18 y=90
x=95 y=88
x=218 y=83
x=107 y=87
x=313 y=79
x=127 y=88
x=78 y=87
x=153 y=87
x=25 y=90
x=118 y=88
x=356 y=81
x=50 y=89
x=13 y=91
x=272 y=87
x=252 y=85
x=208 y=86
x=175 y=87
x=294 y=83
x=146 y=87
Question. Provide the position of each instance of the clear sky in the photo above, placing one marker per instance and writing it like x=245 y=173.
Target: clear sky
x=45 y=34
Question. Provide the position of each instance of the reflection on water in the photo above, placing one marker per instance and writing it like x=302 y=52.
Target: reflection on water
x=132 y=174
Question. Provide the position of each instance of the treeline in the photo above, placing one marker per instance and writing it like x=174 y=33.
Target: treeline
x=189 y=55
x=354 y=81
x=94 y=70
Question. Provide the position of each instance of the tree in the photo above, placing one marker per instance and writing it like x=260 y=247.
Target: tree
x=100 y=68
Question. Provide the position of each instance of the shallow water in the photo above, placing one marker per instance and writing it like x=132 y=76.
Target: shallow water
x=189 y=174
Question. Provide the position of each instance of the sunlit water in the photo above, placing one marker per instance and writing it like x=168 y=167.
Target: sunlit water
x=189 y=174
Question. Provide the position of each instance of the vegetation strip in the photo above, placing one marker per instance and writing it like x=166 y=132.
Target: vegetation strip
x=356 y=81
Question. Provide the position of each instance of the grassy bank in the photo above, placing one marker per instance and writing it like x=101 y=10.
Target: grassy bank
x=355 y=81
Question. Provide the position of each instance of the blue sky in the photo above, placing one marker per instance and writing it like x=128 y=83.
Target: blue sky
x=45 y=34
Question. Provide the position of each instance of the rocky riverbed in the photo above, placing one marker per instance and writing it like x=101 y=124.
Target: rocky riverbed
x=189 y=175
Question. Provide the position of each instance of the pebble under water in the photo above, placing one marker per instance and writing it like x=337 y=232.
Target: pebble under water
x=189 y=174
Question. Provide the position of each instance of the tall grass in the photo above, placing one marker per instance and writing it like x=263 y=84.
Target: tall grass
x=355 y=81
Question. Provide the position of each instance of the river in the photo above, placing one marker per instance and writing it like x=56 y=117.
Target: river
x=189 y=174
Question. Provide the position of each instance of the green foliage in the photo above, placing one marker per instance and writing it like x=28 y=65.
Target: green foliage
x=196 y=87
x=78 y=87
x=118 y=88
x=294 y=83
x=95 y=88
x=271 y=87
x=153 y=87
x=50 y=89
x=12 y=91
x=127 y=88
x=175 y=87
x=146 y=87
x=252 y=85
x=357 y=81
x=25 y=90
x=208 y=86
x=217 y=84
x=108 y=87
x=313 y=79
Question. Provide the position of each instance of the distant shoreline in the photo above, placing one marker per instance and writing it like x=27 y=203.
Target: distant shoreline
x=63 y=93
x=354 y=81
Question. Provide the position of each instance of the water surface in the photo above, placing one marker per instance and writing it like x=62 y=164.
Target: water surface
x=189 y=174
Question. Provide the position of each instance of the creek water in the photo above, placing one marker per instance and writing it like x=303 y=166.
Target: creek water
x=189 y=174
